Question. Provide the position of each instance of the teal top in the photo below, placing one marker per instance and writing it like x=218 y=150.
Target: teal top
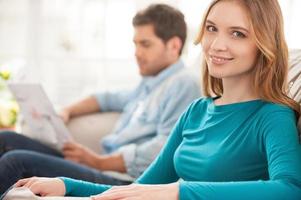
x=248 y=150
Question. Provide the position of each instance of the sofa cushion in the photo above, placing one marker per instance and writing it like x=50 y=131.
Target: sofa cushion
x=89 y=129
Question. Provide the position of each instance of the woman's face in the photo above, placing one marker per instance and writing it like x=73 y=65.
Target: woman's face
x=228 y=43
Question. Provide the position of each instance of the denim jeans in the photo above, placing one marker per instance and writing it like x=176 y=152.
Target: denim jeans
x=22 y=157
x=11 y=141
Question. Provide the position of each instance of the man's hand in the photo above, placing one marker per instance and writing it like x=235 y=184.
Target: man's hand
x=65 y=115
x=43 y=186
x=80 y=154
x=86 y=106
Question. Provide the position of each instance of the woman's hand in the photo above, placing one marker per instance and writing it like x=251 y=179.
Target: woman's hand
x=141 y=192
x=43 y=186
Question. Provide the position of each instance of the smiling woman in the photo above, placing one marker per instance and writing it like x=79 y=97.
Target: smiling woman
x=248 y=52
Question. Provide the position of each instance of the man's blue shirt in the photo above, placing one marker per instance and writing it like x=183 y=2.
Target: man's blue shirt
x=148 y=114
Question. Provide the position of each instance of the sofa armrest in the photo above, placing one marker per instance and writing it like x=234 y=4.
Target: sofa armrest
x=89 y=129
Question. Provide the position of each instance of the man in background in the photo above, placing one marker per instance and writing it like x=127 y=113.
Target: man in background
x=148 y=112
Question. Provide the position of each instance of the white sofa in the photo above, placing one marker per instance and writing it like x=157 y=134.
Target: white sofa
x=294 y=78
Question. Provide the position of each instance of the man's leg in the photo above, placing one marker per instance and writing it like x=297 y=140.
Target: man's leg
x=11 y=141
x=18 y=164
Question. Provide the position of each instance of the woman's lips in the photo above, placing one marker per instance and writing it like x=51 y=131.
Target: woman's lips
x=219 y=60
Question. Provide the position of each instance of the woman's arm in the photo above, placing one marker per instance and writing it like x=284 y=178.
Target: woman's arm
x=80 y=188
x=61 y=186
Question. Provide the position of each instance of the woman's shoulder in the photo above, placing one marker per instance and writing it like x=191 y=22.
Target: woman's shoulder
x=270 y=108
x=276 y=113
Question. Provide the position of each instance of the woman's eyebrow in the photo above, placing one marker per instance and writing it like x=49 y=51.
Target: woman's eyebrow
x=210 y=22
x=232 y=27
x=239 y=28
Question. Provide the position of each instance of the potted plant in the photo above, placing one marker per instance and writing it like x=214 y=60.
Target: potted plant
x=8 y=107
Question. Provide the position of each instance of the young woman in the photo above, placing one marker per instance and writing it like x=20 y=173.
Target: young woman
x=241 y=142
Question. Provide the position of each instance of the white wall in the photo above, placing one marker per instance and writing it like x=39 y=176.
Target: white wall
x=74 y=47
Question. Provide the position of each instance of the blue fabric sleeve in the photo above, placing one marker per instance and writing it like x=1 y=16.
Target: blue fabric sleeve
x=113 y=101
x=280 y=143
x=259 y=190
x=82 y=188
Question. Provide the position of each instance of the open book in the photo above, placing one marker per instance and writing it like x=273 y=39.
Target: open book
x=42 y=122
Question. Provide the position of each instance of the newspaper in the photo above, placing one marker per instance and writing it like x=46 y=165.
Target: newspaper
x=42 y=121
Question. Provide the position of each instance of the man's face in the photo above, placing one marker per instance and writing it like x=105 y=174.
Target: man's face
x=151 y=52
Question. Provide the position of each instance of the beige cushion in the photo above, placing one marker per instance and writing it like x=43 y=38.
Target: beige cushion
x=89 y=129
x=294 y=77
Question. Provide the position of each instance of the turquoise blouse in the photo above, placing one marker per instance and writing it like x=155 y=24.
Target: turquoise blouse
x=248 y=150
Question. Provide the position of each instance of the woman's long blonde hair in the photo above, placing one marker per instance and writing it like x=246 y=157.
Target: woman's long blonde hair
x=271 y=67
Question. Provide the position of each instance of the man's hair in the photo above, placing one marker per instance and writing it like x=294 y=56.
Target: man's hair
x=167 y=21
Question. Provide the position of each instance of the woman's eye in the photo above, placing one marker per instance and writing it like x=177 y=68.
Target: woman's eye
x=211 y=28
x=238 y=34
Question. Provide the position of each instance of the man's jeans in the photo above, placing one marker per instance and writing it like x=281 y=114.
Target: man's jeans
x=22 y=157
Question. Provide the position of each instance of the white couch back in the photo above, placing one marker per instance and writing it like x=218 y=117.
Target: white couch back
x=294 y=77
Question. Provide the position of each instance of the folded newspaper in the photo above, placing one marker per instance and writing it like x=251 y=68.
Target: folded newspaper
x=42 y=122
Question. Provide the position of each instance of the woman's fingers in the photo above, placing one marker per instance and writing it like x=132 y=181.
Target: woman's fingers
x=30 y=182
x=24 y=182
x=116 y=193
x=21 y=182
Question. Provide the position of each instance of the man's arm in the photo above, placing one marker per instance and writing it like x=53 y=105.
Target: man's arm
x=107 y=101
x=135 y=158
x=85 y=106
x=113 y=162
x=80 y=154
x=104 y=102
